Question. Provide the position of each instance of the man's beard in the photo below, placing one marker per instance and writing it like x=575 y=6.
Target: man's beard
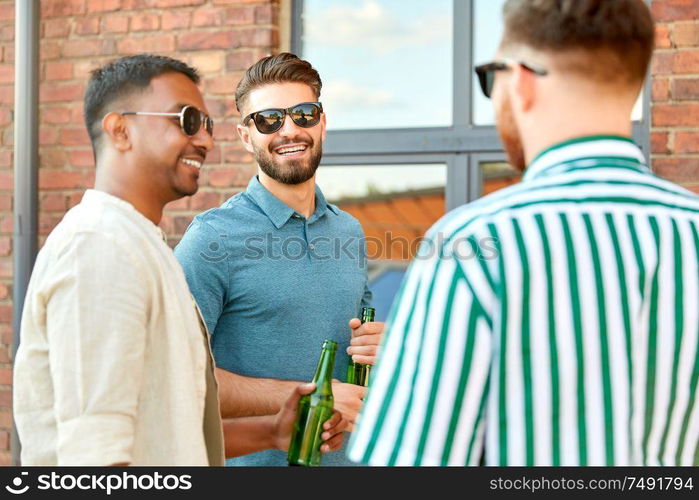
x=509 y=134
x=294 y=171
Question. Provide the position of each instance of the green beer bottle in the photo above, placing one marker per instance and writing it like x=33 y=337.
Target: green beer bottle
x=313 y=410
x=357 y=373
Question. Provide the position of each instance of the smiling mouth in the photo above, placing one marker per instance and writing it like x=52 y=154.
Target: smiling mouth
x=193 y=163
x=291 y=150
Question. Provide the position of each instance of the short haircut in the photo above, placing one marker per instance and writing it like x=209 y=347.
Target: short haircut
x=282 y=68
x=608 y=40
x=121 y=78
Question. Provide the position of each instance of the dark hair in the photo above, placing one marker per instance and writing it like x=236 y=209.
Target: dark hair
x=614 y=37
x=119 y=79
x=284 y=67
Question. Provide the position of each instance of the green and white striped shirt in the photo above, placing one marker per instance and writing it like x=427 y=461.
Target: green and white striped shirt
x=555 y=322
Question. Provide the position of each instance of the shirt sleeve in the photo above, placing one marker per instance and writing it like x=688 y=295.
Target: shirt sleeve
x=203 y=255
x=425 y=404
x=96 y=322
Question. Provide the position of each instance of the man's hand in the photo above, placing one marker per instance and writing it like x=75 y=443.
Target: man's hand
x=348 y=400
x=285 y=418
x=365 y=341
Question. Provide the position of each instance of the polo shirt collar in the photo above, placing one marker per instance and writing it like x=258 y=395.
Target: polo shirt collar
x=595 y=148
x=277 y=211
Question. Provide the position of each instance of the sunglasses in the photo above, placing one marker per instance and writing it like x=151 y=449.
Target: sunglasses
x=268 y=121
x=191 y=119
x=486 y=73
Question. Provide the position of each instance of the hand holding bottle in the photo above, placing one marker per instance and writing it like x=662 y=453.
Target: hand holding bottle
x=365 y=341
x=284 y=423
x=348 y=401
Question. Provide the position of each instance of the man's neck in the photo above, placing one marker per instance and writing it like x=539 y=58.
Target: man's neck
x=300 y=197
x=144 y=202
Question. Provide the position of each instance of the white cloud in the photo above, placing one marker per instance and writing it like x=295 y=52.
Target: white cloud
x=371 y=25
x=343 y=95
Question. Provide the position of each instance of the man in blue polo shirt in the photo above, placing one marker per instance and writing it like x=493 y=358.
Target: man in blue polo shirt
x=277 y=269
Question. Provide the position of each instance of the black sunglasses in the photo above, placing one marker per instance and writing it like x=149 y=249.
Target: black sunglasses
x=191 y=119
x=268 y=121
x=486 y=73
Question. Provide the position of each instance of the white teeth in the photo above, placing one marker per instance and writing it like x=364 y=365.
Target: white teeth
x=293 y=149
x=193 y=163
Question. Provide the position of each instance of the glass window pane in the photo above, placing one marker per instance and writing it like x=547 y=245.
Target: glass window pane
x=384 y=63
x=498 y=175
x=396 y=205
x=487 y=32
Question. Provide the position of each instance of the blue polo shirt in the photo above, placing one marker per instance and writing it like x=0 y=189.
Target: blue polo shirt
x=272 y=285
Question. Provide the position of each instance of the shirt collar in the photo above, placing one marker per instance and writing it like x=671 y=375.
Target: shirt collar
x=590 y=147
x=279 y=212
x=94 y=196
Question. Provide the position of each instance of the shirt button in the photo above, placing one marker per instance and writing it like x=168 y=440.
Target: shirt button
x=312 y=246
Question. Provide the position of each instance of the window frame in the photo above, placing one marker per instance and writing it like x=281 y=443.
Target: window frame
x=461 y=146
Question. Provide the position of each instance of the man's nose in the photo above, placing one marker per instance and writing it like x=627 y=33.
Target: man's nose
x=288 y=126
x=203 y=139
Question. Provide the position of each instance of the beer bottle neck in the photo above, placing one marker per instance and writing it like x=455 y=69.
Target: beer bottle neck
x=324 y=371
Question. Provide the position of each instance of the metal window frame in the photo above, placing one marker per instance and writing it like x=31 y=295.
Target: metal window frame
x=461 y=147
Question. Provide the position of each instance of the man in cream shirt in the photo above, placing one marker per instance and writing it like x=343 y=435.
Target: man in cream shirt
x=114 y=365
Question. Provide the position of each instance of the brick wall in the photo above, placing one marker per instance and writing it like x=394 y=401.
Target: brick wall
x=79 y=35
x=675 y=96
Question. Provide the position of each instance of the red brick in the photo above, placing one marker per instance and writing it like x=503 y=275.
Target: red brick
x=83 y=68
x=115 y=24
x=55 y=114
x=6 y=181
x=5 y=246
x=56 y=28
x=155 y=43
x=4 y=440
x=103 y=5
x=686 y=142
x=221 y=85
x=53 y=202
x=83 y=158
x=662 y=63
x=685 y=89
x=213 y=157
x=239 y=16
x=5 y=379
x=206 y=40
x=181 y=224
x=58 y=92
x=658 y=142
x=265 y=14
x=679 y=170
x=7 y=33
x=662 y=36
x=5 y=396
x=59 y=71
x=5 y=204
x=240 y=60
x=74 y=199
x=4 y=291
x=686 y=115
x=686 y=34
x=686 y=61
x=48 y=136
x=178 y=205
x=6 y=329
x=236 y=155
x=145 y=22
x=167 y=224
x=48 y=224
x=207 y=62
x=84 y=48
x=163 y=4
x=74 y=137
x=60 y=179
x=7 y=73
x=87 y=25
x=229 y=2
x=7 y=95
x=52 y=158
x=5 y=317
x=50 y=50
x=207 y=17
x=62 y=8
x=7 y=11
x=675 y=10
x=5 y=159
x=204 y=200
x=660 y=89
x=231 y=176
x=174 y=20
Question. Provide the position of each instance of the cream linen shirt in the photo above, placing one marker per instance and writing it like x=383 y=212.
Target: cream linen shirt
x=114 y=362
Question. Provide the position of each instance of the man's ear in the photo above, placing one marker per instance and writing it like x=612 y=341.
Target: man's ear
x=244 y=134
x=115 y=129
x=524 y=88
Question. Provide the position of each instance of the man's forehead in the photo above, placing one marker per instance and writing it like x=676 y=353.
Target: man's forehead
x=279 y=95
x=173 y=90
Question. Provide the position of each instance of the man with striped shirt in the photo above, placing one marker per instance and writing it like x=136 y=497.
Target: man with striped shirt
x=555 y=322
